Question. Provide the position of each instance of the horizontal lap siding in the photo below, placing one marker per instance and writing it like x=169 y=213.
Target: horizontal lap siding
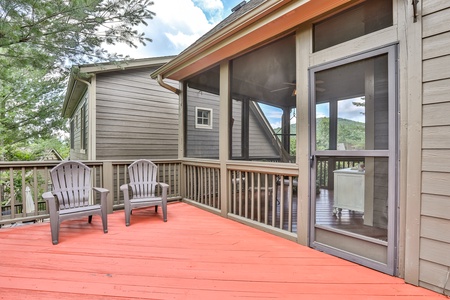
x=136 y=117
x=435 y=206
x=260 y=142
x=202 y=142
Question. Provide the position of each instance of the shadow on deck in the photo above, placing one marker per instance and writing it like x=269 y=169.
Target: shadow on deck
x=195 y=255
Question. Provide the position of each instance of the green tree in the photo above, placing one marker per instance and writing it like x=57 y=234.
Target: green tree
x=40 y=40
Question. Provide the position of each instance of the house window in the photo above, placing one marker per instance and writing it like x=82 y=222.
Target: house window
x=204 y=118
x=359 y=20
x=72 y=134
x=83 y=127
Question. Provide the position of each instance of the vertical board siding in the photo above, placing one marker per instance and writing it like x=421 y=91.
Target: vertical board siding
x=136 y=118
x=435 y=220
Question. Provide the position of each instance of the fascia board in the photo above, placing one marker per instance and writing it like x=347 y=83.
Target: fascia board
x=125 y=65
x=264 y=22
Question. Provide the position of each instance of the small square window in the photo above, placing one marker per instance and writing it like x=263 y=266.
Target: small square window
x=203 y=118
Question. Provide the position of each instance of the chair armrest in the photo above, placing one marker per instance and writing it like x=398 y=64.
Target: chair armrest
x=124 y=187
x=51 y=201
x=101 y=190
x=103 y=195
x=48 y=196
x=163 y=185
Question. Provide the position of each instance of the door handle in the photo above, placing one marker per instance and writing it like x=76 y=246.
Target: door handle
x=311 y=161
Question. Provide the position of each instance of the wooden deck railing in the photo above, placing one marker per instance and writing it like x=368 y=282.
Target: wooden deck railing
x=22 y=180
x=202 y=183
x=327 y=165
x=264 y=194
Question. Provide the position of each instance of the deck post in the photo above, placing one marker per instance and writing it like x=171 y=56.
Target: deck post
x=108 y=183
x=224 y=138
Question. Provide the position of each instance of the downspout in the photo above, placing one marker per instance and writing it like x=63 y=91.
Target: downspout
x=167 y=86
x=91 y=121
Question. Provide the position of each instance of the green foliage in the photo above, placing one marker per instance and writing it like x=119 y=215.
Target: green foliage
x=39 y=42
x=50 y=34
x=323 y=133
x=350 y=133
x=38 y=150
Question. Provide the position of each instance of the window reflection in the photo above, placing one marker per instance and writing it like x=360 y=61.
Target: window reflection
x=352 y=106
x=351 y=124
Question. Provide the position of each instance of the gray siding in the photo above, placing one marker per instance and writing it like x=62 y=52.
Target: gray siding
x=136 y=117
x=204 y=143
x=435 y=206
x=261 y=144
x=201 y=142
x=77 y=152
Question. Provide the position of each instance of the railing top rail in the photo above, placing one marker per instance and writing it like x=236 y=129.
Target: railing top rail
x=265 y=167
x=30 y=164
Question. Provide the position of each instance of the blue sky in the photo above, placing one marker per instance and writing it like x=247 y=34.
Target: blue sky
x=177 y=24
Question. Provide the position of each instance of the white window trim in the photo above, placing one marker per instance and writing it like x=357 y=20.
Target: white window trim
x=203 y=126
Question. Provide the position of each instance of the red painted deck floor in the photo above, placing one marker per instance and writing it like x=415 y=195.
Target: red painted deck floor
x=195 y=255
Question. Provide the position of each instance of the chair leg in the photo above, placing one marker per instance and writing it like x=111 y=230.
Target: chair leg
x=164 y=208
x=54 y=227
x=90 y=219
x=127 y=216
x=104 y=220
x=156 y=208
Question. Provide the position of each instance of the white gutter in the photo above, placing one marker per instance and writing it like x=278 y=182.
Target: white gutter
x=167 y=86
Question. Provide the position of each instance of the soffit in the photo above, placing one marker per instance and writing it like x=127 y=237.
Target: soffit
x=267 y=20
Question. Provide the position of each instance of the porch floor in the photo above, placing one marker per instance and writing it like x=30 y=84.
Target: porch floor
x=195 y=255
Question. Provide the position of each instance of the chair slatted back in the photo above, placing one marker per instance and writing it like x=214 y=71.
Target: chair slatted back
x=143 y=178
x=71 y=184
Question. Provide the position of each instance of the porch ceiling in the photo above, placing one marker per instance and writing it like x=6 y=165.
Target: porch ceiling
x=262 y=23
x=195 y=255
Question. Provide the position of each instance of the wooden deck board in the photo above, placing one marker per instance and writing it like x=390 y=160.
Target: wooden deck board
x=195 y=255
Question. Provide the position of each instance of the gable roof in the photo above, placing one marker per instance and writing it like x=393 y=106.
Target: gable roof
x=81 y=75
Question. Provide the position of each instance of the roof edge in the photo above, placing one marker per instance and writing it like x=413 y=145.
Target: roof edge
x=197 y=47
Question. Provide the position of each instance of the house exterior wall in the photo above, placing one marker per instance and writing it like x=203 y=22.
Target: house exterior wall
x=78 y=120
x=136 y=117
x=201 y=142
x=435 y=208
x=204 y=143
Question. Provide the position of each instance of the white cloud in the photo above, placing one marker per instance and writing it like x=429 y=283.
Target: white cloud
x=176 y=25
x=210 y=4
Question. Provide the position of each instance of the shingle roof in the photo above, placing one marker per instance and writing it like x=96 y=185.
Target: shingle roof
x=250 y=5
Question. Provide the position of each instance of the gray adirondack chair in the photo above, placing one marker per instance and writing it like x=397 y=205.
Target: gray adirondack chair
x=143 y=175
x=69 y=198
